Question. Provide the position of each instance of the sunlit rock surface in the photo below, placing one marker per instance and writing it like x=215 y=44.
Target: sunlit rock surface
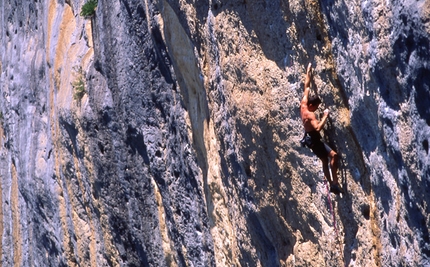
x=184 y=149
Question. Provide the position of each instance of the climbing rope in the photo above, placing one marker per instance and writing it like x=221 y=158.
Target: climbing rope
x=331 y=208
x=334 y=221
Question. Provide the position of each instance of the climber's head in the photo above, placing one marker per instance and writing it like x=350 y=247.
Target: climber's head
x=313 y=103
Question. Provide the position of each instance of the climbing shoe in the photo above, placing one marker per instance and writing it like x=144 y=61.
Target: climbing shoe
x=335 y=189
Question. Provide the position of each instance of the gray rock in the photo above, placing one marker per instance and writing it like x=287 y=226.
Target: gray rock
x=183 y=149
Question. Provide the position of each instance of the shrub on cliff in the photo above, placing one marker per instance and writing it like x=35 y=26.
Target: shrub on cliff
x=89 y=8
x=79 y=84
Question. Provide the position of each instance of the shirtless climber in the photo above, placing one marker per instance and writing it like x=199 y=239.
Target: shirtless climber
x=312 y=126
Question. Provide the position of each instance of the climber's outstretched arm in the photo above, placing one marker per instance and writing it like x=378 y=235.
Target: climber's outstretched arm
x=308 y=76
x=305 y=97
x=307 y=88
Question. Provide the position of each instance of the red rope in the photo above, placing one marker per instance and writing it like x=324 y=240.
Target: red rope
x=334 y=218
x=331 y=208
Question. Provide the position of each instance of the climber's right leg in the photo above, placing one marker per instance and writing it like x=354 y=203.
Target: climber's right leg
x=333 y=165
x=326 y=170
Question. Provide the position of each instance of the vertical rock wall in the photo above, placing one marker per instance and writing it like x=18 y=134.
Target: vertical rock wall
x=184 y=149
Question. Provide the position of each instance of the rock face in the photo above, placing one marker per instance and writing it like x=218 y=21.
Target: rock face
x=184 y=148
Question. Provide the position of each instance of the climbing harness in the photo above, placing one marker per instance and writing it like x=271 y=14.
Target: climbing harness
x=306 y=141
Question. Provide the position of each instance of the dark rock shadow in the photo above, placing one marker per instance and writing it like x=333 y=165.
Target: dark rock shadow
x=259 y=157
x=351 y=164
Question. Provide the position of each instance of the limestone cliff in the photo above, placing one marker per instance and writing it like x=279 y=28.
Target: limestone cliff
x=166 y=133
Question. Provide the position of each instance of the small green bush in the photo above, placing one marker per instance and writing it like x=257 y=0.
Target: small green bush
x=79 y=84
x=89 y=8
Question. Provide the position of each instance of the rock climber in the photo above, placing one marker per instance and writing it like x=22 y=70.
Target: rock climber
x=312 y=127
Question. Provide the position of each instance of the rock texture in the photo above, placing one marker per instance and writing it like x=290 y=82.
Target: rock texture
x=184 y=149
